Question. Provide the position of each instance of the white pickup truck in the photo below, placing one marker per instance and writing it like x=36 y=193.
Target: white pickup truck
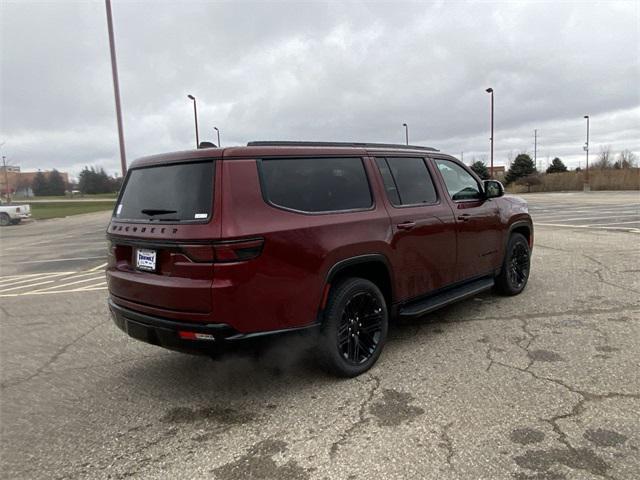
x=13 y=214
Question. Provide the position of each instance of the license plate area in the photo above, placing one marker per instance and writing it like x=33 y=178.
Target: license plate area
x=146 y=259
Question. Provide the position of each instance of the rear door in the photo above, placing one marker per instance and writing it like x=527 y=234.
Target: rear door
x=161 y=232
x=424 y=238
x=478 y=220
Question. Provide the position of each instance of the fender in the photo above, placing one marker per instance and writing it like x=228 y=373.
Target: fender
x=523 y=223
x=348 y=262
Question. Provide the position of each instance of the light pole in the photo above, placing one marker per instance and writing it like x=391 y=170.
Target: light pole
x=406 y=132
x=116 y=88
x=195 y=116
x=586 y=149
x=490 y=90
x=535 y=149
x=218 y=132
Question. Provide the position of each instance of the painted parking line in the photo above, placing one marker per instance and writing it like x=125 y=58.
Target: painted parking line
x=59 y=260
x=58 y=282
x=563 y=225
x=25 y=286
x=9 y=282
x=99 y=267
x=635 y=217
x=64 y=285
x=614 y=223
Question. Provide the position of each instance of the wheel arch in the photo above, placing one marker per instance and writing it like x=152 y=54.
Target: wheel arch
x=373 y=267
x=524 y=227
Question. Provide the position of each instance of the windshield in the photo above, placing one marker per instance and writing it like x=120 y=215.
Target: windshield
x=168 y=193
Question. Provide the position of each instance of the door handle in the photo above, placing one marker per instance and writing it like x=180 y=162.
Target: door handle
x=406 y=225
x=465 y=217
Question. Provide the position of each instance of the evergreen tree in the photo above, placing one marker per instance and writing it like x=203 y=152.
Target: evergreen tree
x=92 y=180
x=481 y=169
x=522 y=166
x=556 y=166
x=56 y=183
x=40 y=185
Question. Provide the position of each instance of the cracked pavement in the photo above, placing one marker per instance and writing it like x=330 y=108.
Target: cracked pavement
x=545 y=385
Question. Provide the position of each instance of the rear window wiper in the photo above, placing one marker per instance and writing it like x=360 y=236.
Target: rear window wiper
x=156 y=211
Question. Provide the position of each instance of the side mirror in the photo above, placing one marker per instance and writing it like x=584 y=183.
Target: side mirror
x=493 y=189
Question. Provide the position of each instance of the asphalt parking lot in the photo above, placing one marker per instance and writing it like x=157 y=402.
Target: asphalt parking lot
x=545 y=385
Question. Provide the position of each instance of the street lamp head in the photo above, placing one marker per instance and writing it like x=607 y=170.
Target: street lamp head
x=191 y=97
x=489 y=90
x=404 y=124
x=215 y=128
x=586 y=116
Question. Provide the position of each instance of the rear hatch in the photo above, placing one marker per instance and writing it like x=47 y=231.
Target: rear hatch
x=161 y=233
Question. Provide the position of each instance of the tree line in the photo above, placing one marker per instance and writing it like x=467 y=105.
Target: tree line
x=523 y=170
x=91 y=181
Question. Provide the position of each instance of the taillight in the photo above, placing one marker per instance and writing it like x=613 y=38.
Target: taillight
x=240 y=250
x=227 y=251
x=17 y=209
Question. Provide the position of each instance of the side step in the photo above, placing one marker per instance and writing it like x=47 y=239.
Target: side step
x=420 y=307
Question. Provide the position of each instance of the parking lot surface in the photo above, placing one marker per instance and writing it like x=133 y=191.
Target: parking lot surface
x=545 y=385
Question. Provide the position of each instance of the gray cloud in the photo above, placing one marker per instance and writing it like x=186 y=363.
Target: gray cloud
x=322 y=71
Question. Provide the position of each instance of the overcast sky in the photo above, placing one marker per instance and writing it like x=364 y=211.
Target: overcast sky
x=347 y=71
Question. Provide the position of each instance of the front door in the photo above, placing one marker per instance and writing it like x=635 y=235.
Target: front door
x=479 y=229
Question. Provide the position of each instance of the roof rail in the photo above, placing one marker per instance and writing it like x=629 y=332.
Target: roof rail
x=288 y=143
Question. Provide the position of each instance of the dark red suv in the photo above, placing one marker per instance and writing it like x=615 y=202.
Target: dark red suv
x=212 y=247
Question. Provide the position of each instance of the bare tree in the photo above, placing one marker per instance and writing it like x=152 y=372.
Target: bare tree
x=626 y=159
x=603 y=161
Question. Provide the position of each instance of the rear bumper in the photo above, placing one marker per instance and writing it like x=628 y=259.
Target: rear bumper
x=218 y=337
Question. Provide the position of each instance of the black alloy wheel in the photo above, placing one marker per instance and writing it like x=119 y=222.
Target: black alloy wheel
x=360 y=328
x=514 y=273
x=519 y=265
x=355 y=327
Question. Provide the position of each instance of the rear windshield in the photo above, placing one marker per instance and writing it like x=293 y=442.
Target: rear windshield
x=168 y=193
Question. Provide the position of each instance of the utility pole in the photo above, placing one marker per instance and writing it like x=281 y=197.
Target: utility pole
x=535 y=150
x=6 y=178
x=406 y=132
x=116 y=88
x=218 y=132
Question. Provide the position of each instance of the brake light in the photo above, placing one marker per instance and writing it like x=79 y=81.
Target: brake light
x=185 y=335
x=227 y=251
x=238 y=250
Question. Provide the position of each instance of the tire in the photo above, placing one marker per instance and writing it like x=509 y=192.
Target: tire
x=351 y=302
x=4 y=219
x=514 y=273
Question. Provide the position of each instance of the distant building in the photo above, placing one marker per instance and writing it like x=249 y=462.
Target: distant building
x=20 y=182
x=499 y=172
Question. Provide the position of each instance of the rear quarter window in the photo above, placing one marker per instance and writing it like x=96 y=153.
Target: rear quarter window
x=316 y=184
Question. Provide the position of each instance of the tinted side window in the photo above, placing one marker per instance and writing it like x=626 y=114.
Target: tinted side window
x=407 y=181
x=460 y=184
x=316 y=184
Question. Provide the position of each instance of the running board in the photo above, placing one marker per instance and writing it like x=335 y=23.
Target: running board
x=420 y=307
